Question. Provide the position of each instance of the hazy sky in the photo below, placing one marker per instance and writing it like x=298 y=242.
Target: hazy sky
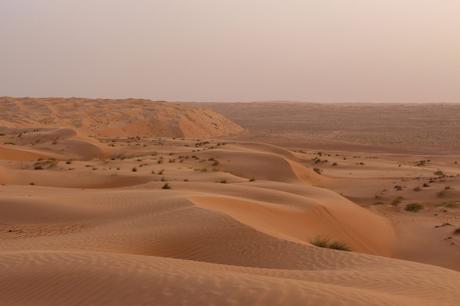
x=232 y=50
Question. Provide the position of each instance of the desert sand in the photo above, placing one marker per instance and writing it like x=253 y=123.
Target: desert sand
x=137 y=202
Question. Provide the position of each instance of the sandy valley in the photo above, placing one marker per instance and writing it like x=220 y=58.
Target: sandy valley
x=136 y=202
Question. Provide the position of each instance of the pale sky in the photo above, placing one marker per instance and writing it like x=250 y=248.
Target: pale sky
x=232 y=50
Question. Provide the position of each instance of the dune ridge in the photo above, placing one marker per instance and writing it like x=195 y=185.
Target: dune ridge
x=105 y=117
x=95 y=213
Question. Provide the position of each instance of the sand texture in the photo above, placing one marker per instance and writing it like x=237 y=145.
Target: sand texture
x=134 y=202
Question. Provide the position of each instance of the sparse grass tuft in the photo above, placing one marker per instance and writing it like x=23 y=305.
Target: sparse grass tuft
x=322 y=242
x=338 y=245
x=41 y=164
x=413 y=207
x=439 y=173
x=397 y=201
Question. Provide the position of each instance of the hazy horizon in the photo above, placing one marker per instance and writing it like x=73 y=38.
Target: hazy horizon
x=254 y=50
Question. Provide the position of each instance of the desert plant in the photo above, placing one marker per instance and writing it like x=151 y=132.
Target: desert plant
x=166 y=186
x=327 y=243
x=317 y=170
x=397 y=201
x=413 y=207
x=338 y=245
x=439 y=173
x=457 y=231
x=320 y=242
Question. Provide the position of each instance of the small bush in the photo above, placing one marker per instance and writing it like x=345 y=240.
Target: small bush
x=338 y=245
x=439 y=173
x=320 y=242
x=327 y=243
x=166 y=186
x=317 y=170
x=457 y=231
x=413 y=207
x=397 y=201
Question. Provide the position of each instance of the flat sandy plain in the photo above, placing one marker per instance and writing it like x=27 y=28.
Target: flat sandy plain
x=135 y=202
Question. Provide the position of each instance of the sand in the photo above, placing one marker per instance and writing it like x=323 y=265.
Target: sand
x=92 y=216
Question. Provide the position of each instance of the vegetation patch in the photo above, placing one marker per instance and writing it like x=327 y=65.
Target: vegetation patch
x=413 y=207
x=397 y=201
x=42 y=164
x=322 y=242
x=439 y=173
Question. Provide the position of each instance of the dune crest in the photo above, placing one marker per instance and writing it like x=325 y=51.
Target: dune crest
x=99 y=207
x=114 y=118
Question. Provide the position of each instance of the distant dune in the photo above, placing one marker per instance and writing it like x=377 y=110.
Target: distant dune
x=110 y=118
x=370 y=127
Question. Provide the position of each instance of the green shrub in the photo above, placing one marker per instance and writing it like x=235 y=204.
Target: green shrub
x=317 y=170
x=338 y=245
x=439 y=173
x=397 y=201
x=322 y=242
x=414 y=207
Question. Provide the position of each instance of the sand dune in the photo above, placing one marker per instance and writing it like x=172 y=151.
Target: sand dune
x=112 y=118
x=417 y=128
x=95 y=213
